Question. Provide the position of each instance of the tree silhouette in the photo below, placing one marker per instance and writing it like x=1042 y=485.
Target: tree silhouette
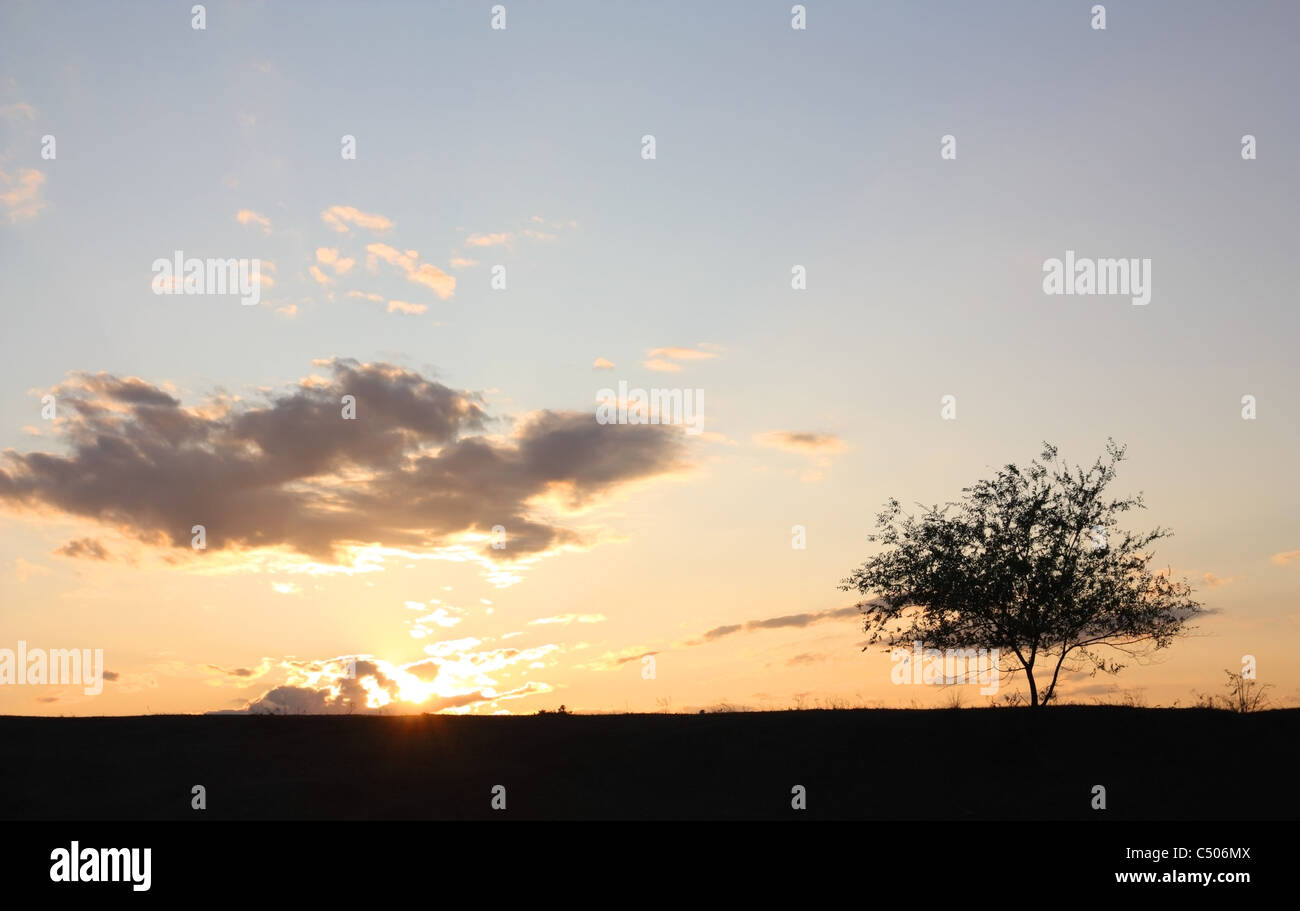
x=1030 y=562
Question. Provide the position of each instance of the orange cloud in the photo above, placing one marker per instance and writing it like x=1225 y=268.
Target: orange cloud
x=500 y=239
x=425 y=274
x=682 y=354
x=249 y=217
x=330 y=256
x=22 y=198
x=340 y=217
x=664 y=360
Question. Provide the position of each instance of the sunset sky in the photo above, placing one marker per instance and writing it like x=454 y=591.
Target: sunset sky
x=330 y=540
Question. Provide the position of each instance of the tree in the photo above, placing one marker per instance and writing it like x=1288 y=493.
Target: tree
x=1031 y=563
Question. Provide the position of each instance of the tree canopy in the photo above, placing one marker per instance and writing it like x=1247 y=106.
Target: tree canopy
x=1031 y=562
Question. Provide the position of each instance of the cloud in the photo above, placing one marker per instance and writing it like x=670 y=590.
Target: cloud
x=461 y=262
x=805 y=658
x=612 y=660
x=249 y=217
x=792 y=441
x=1285 y=558
x=786 y=621
x=682 y=354
x=341 y=217
x=19 y=110
x=601 y=363
x=431 y=277
x=566 y=619
x=500 y=239
x=457 y=676
x=663 y=360
x=365 y=295
x=404 y=307
x=412 y=473
x=329 y=256
x=320 y=276
x=21 y=198
x=1214 y=581
x=84 y=547
x=246 y=673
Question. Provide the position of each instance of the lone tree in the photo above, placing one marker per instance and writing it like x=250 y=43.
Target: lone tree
x=1031 y=563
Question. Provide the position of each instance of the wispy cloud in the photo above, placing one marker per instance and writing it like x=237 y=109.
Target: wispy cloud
x=409 y=263
x=18 y=110
x=249 y=217
x=21 y=196
x=785 y=621
x=396 y=306
x=795 y=441
x=664 y=360
x=343 y=218
x=499 y=239
x=88 y=548
x=566 y=619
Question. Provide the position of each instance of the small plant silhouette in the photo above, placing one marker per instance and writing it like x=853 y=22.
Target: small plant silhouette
x=1245 y=694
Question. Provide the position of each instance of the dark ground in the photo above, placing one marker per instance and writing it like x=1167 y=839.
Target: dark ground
x=1000 y=763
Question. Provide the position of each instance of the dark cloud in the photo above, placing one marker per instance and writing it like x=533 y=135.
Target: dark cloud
x=111 y=675
x=233 y=671
x=803 y=619
x=303 y=700
x=806 y=658
x=412 y=470
x=794 y=620
x=624 y=659
x=84 y=547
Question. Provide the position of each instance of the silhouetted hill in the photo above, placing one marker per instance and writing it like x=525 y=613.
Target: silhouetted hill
x=875 y=764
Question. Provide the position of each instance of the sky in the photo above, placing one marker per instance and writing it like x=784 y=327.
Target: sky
x=348 y=563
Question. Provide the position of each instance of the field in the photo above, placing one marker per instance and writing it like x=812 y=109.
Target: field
x=977 y=764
